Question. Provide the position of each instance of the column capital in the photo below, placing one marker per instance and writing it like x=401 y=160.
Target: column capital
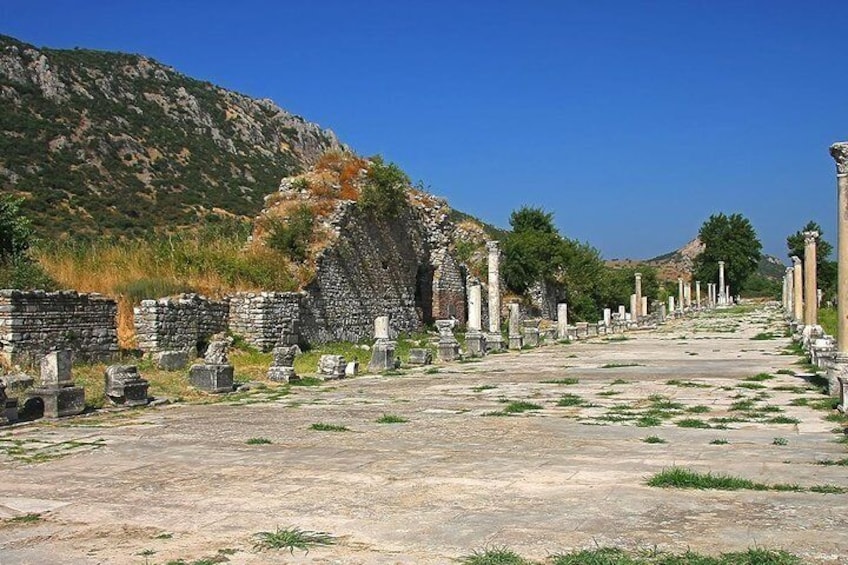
x=721 y=263
x=795 y=260
x=810 y=237
x=839 y=152
x=493 y=246
x=789 y=270
x=638 y=275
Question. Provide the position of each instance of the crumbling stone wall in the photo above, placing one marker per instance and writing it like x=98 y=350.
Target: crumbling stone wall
x=449 y=288
x=37 y=322
x=258 y=317
x=183 y=323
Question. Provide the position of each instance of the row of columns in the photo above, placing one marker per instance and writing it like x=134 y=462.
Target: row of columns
x=800 y=292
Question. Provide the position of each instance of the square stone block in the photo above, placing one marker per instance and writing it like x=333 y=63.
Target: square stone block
x=60 y=402
x=420 y=356
x=171 y=360
x=212 y=378
x=281 y=374
x=56 y=369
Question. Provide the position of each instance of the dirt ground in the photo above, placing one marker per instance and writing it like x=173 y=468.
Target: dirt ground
x=181 y=482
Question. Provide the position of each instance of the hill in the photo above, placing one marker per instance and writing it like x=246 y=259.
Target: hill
x=114 y=143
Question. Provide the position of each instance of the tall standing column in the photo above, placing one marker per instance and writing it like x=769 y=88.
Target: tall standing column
x=475 y=343
x=783 y=293
x=698 y=294
x=680 y=302
x=494 y=339
x=798 y=290
x=810 y=286
x=790 y=292
x=838 y=377
x=562 y=320
x=722 y=298
x=637 y=313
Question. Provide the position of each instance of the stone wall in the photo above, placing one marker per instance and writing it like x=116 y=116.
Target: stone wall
x=258 y=317
x=35 y=323
x=372 y=269
x=449 y=296
x=182 y=323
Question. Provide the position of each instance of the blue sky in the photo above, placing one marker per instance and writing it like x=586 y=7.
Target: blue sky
x=631 y=121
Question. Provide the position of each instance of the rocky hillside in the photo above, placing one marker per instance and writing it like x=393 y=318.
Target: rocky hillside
x=679 y=263
x=101 y=142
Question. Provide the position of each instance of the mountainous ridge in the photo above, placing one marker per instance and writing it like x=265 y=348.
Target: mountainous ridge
x=112 y=143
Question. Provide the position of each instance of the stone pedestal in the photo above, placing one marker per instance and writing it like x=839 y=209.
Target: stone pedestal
x=332 y=366
x=210 y=377
x=124 y=385
x=4 y=419
x=448 y=348
x=607 y=317
x=516 y=341
x=382 y=356
x=842 y=387
x=839 y=370
x=10 y=410
x=171 y=360
x=281 y=374
x=282 y=365
x=420 y=356
x=530 y=332
x=352 y=368
x=475 y=343
x=60 y=402
x=562 y=320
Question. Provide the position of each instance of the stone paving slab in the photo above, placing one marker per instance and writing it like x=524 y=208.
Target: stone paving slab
x=181 y=482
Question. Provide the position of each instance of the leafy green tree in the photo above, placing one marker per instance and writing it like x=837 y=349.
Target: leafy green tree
x=825 y=269
x=291 y=237
x=16 y=234
x=533 y=251
x=731 y=239
x=384 y=192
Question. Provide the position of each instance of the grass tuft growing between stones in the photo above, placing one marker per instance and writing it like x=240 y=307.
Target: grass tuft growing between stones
x=620 y=365
x=759 y=377
x=764 y=336
x=258 y=441
x=686 y=384
x=570 y=400
x=30 y=518
x=481 y=388
x=692 y=423
x=291 y=539
x=679 y=477
x=830 y=462
x=565 y=381
x=322 y=427
x=615 y=556
x=391 y=419
x=493 y=556
x=519 y=406
x=654 y=439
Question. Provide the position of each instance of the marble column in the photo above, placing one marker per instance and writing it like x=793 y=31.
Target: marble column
x=643 y=308
x=798 y=290
x=839 y=152
x=722 y=297
x=634 y=307
x=790 y=291
x=516 y=338
x=562 y=320
x=494 y=338
x=698 y=294
x=637 y=313
x=671 y=306
x=810 y=299
x=475 y=342
x=680 y=302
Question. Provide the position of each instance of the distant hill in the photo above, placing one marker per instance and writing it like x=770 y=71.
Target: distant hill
x=678 y=263
x=112 y=143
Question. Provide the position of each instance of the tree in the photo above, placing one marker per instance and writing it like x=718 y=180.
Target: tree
x=731 y=239
x=16 y=234
x=825 y=269
x=533 y=251
x=384 y=192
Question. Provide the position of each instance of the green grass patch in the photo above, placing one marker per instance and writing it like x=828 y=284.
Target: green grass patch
x=570 y=400
x=391 y=419
x=493 y=556
x=783 y=420
x=828 y=489
x=291 y=539
x=307 y=381
x=794 y=389
x=759 y=377
x=30 y=518
x=648 y=421
x=564 y=381
x=609 y=393
x=780 y=441
x=686 y=384
x=615 y=556
x=785 y=372
x=481 y=388
x=831 y=462
x=519 y=406
x=620 y=365
x=653 y=439
x=692 y=423
x=751 y=386
x=764 y=336
x=742 y=405
x=719 y=441
x=258 y=441
x=699 y=409
x=620 y=382
x=322 y=427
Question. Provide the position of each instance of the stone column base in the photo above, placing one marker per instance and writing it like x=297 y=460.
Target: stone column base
x=843 y=395
x=382 y=356
x=448 y=351
x=60 y=402
x=281 y=374
x=495 y=342
x=838 y=371
x=516 y=342
x=475 y=343
x=211 y=378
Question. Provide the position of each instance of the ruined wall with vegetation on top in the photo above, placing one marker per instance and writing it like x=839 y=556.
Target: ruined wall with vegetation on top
x=36 y=322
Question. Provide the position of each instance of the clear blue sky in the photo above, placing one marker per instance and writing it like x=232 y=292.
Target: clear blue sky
x=631 y=121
